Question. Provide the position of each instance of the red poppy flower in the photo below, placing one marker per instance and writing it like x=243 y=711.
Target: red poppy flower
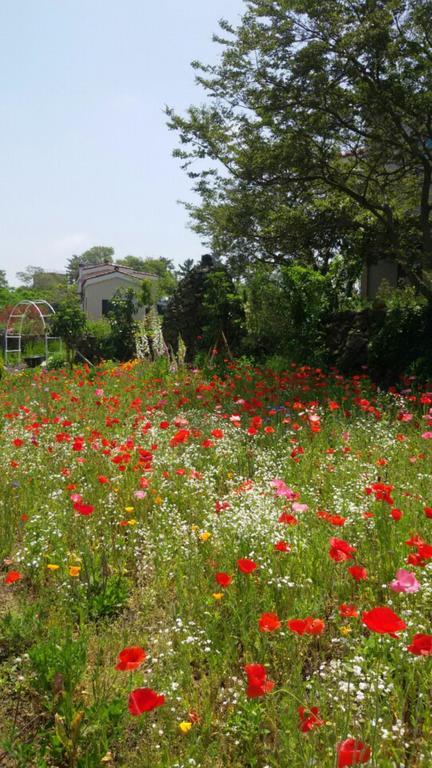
x=309 y=719
x=428 y=511
x=245 y=565
x=12 y=577
x=336 y=520
x=269 y=622
x=258 y=685
x=130 y=658
x=144 y=700
x=348 y=611
x=340 y=550
x=223 y=579
x=425 y=551
x=287 y=519
x=308 y=626
x=421 y=645
x=358 y=572
x=383 y=620
x=352 y=752
x=282 y=546
x=181 y=436
x=83 y=509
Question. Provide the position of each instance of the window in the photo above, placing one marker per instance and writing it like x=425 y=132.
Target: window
x=106 y=307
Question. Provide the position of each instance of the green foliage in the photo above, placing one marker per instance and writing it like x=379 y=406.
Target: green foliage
x=107 y=597
x=56 y=361
x=58 y=663
x=69 y=323
x=315 y=137
x=18 y=630
x=3 y=280
x=98 y=254
x=162 y=267
x=204 y=308
x=97 y=343
x=147 y=297
x=184 y=268
x=400 y=333
x=223 y=310
x=121 y=317
x=286 y=310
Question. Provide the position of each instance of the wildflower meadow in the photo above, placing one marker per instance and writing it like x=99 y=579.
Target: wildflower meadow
x=207 y=570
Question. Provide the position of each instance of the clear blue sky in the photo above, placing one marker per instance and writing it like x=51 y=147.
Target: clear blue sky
x=85 y=155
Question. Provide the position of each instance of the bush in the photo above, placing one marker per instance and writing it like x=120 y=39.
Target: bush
x=97 y=343
x=286 y=312
x=124 y=306
x=55 y=361
x=400 y=333
x=205 y=308
x=69 y=323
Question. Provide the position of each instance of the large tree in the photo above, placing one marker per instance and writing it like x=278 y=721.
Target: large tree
x=317 y=135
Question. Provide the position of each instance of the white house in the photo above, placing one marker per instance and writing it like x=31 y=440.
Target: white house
x=97 y=285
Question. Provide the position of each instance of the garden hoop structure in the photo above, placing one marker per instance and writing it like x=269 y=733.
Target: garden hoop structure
x=42 y=311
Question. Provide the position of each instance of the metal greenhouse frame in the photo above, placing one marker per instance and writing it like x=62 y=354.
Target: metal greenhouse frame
x=43 y=311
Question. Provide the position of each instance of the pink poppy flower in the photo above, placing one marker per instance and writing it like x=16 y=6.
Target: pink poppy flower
x=405 y=581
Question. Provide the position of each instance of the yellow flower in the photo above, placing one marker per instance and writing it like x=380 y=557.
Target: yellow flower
x=158 y=500
x=129 y=509
x=345 y=630
x=204 y=536
x=185 y=726
x=132 y=521
x=218 y=595
x=229 y=475
x=53 y=566
x=194 y=528
x=74 y=570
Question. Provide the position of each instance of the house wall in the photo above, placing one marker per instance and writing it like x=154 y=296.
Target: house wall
x=100 y=289
x=374 y=274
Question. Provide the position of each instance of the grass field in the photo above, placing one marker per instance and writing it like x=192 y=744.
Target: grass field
x=214 y=571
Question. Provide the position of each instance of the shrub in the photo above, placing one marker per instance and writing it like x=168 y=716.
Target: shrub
x=286 y=310
x=205 y=308
x=124 y=306
x=97 y=343
x=69 y=322
x=55 y=361
x=399 y=333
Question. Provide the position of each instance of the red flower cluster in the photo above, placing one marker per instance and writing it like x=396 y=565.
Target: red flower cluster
x=308 y=626
x=340 y=550
x=258 y=685
x=269 y=622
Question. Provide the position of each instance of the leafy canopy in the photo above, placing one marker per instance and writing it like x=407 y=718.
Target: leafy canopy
x=316 y=136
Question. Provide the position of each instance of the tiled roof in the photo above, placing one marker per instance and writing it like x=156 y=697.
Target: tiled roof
x=99 y=270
